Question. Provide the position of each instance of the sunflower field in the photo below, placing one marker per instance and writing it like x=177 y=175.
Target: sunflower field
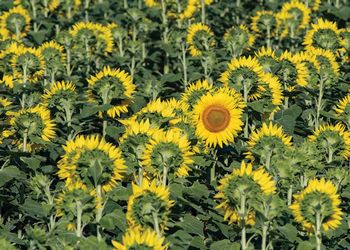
x=174 y=124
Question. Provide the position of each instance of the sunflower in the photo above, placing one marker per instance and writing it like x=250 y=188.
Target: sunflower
x=312 y=65
x=272 y=89
x=314 y=4
x=168 y=151
x=137 y=239
x=345 y=37
x=200 y=39
x=28 y=65
x=49 y=5
x=300 y=15
x=195 y=91
x=342 y=106
x=60 y=95
x=238 y=38
x=4 y=102
x=114 y=87
x=149 y=206
x=267 y=58
x=324 y=35
x=4 y=34
x=264 y=22
x=319 y=197
x=267 y=141
x=158 y=112
x=243 y=183
x=291 y=72
x=244 y=72
x=53 y=54
x=218 y=118
x=180 y=108
x=133 y=142
x=327 y=61
x=92 y=162
x=151 y=3
x=95 y=35
x=333 y=140
x=189 y=10
x=29 y=124
x=16 y=21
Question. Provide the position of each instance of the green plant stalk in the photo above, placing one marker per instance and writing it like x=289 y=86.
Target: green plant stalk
x=46 y=9
x=35 y=25
x=268 y=37
x=212 y=169
x=79 y=207
x=86 y=7
x=25 y=138
x=165 y=36
x=318 y=233
x=165 y=173
x=337 y=4
x=290 y=195
x=17 y=31
x=319 y=102
x=126 y=4
x=203 y=18
x=184 y=65
x=69 y=12
x=265 y=227
x=99 y=211
x=286 y=98
x=245 y=98
x=139 y=5
x=120 y=46
x=243 y=215
x=133 y=50
x=268 y=159
x=156 y=223
x=68 y=64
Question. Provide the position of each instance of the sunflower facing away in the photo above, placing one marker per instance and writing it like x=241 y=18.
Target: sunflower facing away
x=114 y=87
x=200 y=39
x=334 y=140
x=59 y=92
x=264 y=22
x=267 y=58
x=91 y=162
x=195 y=91
x=30 y=124
x=319 y=197
x=342 y=109
x=137 y=239
x=243 y=181
x=218 y=118
x=149 y=205
x=16 y=21
x=171 y=150
x=53 y=54
x=300 y=15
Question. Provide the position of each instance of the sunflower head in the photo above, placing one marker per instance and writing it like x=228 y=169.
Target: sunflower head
x=97 y=37
x=299 y=15
x=264 y=22
x=149 y=203
x=53 y=54
x=200 y=38
x=218 y=117
x=312 y=65
x=170 y=150
x=333 y=141
x=238 y=38
x=243 y=183
x=28 y=65
x=244 y=73
x=267 y=141
x=113 y=87
x=267 y=59
x=16 y=21
x=318 y=198
x=91 y=162
x=270 y=92
x=30 y=124
x=345 y=37
x=342 y=109
x=59 y=96
x=195 y=91
x=313 y=4
x=189 y=10
x=134 y=238
x=324 y=35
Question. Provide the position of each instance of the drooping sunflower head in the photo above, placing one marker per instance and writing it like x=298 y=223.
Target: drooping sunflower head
x=170 y=150
x=342 y=109
x=324 y=35
x=114 y=87
x=238 y=38
x=327 y=61
x=332 y=140
x=318 y=199
x=291 y=72
x=148 y=203
x=195 y=91
x=28 y=65
x=30 y=124
x=94 y=35
x=243 y=72
x=133 y=142
x=158 y=112
x=300 y=15
x=264 y=22
x=267 y=58
x=218 y=118
x=16 y=21
x=134 y=238
x=312 y=65
x=53 y=54
x=269 y=139
x=243 y=183
x=200 y=38
x=60 y=95
x=91 y=161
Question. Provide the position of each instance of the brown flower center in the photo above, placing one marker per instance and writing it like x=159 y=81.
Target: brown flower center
x=216 y=118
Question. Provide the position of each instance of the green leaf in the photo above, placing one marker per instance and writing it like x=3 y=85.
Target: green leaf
x=198 y=242
x=287 y=118
x=7 y=174
x=225 y=245
x=192 y=225
x=305 y=245
x=89 y=111
x=33 y=162
x=290 y=232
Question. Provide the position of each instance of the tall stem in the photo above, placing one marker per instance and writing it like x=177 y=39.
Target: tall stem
x=318 y=232
x=125 y=4
x=35 y=26
x=212 y=169
x=243 y=217
x=203 y=11
x=184 y=65
x=165 y=35
x=165 y=173
x=79 y=207
x=25 y=138
x=319 y=102
x=245 y=98
x=264 y=236
x=290 y=195
x=156 y=223
x=99 y=210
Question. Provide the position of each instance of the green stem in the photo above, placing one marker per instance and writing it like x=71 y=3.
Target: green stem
x=156 y=223
x=268 y=159
x=25 y=138
x=290 y=195
x=268 y=37
x=165 y=173
x=319 y=102
x=184 y=65
x=264 y=236
x=245 y=98
x=212 y=169
x=203 y=11
x=318 y=232
x=99 y=211
x=79 y=207
x=104 y=127
x=86 y=7
x=243 y=216
x=126 y=4
x=35 y=25
x=165 y=35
